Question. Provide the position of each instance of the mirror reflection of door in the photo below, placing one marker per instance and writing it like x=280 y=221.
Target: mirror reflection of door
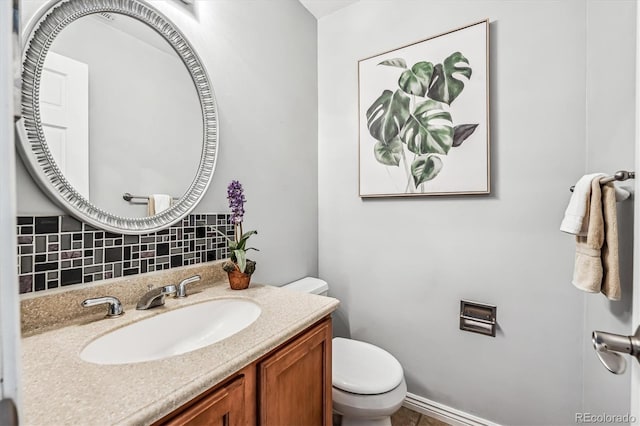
x=145 y=123
x=64 y=108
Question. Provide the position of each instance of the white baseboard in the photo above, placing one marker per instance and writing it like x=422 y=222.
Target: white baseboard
x=444 y=413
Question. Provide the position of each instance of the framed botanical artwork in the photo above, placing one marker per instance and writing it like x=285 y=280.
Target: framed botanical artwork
x=424 y=117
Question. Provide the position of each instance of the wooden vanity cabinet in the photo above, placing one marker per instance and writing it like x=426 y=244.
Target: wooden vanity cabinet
x=224 y=406
x=229 y=403
x=295 y=381
x=291 y=385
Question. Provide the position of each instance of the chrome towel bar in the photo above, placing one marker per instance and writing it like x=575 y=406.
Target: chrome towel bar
x=620 y=175
x=128 y=197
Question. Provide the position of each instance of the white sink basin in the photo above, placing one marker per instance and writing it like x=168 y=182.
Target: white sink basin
x=173 y=333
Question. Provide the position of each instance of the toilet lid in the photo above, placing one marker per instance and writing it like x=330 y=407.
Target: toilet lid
x=362 y=368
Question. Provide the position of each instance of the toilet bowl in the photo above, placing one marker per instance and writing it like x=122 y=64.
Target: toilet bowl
x=368 y=382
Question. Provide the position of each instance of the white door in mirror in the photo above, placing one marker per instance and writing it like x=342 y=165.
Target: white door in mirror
x=173 y=333
x=64 y=108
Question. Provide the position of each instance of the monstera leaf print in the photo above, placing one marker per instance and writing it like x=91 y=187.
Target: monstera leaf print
x=425 y=168
x=429 y=130
x=416 y=81
x=395 y=62
x=416 y=118
x=445 y=87
x=387 y=115
x=390 y=153
x=462 y=132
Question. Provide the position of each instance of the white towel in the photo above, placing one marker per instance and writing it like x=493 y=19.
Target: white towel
x=576 y=218
x=158 y=203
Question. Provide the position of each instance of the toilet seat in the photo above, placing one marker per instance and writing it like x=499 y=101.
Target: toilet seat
x=369 y=406
x=364 y=369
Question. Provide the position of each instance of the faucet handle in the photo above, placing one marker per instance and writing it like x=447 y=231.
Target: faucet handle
x=182 y=287
x=115 y=307
x=168 y=290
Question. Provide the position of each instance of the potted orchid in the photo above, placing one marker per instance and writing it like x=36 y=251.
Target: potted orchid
x=238 y=267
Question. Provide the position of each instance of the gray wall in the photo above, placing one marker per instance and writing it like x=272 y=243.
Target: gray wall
x=401 y=266
x=611 y=116
x=261 y=57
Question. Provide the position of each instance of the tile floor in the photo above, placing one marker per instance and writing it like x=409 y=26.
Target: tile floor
x=406 y=417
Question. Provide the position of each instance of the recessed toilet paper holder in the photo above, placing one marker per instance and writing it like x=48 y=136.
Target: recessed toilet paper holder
x=478 y=317
x=609 y=346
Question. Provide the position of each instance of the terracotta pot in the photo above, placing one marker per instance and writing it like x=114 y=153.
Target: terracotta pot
x=238 y=280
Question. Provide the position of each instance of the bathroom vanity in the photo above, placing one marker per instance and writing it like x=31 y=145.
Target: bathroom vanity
x=276 y=371
x=289 y=386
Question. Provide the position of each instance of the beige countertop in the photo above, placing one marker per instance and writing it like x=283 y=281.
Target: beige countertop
x=59 y=388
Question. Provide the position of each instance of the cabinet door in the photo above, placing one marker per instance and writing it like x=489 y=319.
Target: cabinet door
x=222 y=407
x=295 y=382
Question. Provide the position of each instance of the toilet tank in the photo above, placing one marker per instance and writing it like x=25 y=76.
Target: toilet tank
x=309 y=285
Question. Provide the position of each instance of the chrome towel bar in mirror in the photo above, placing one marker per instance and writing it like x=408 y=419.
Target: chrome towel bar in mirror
x=128 y=197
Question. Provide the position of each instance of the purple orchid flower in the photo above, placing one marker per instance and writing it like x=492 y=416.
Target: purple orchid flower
x=236 y=202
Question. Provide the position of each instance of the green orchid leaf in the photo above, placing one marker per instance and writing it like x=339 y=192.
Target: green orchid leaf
x=429 y=130
x=395 y=62
x=243 y=240
x=241 y=259
x=389 y=154
x=246 y=235
x=462 y=132
x=416 y=81
x=425 y=168
x=387 y=115
x=445 y=87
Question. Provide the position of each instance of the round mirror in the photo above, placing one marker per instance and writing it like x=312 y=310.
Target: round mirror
x=110 y=123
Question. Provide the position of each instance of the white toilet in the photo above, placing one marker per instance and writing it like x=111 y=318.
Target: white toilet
x=368 y=382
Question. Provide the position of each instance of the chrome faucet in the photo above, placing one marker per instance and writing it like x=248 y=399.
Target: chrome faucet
x=115 y=307
x=155 y=297
x=182 y=287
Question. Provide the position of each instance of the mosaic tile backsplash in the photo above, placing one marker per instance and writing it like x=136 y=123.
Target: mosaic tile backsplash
x=58 y=251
